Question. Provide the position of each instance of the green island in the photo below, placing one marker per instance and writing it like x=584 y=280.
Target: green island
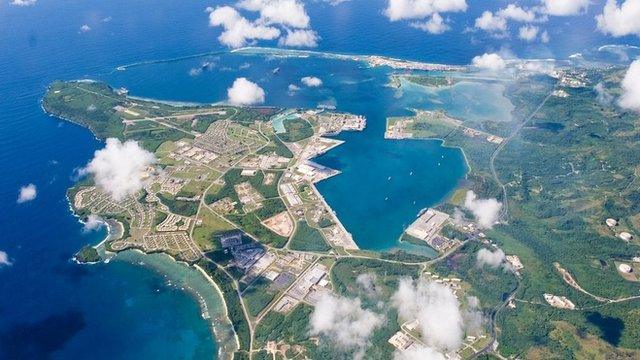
x=232 y=193
x=87 y=255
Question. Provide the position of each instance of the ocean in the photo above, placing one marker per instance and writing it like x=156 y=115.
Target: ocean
x=51 y=307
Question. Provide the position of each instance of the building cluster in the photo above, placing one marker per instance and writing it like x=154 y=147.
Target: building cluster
x=264 y=162
x=426 y=228
x=172 y=185
x=244 y=253
x=174 y=222
x=250 y=198
x=312 y=172
x=315 y=146
x=453 y=283
x=332 y=123
x=176 y=243
x=224 y=206
x=307 y=288
x=189 y=154
x=224 y=137
x=375 y=61
x=470 y=132
x=571 y=78
x=398 y=129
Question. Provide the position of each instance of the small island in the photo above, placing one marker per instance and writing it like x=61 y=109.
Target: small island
x=87 y=255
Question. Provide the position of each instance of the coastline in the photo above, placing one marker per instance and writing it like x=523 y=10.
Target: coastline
x=224 y=304
x=190 y=280
x=218 y=327
x=219 y=322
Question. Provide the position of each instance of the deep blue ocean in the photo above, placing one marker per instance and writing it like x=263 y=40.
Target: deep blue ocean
x=52 y=308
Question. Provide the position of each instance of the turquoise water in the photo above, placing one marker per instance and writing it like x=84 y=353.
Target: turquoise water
x=475 y=100
x=278 y=122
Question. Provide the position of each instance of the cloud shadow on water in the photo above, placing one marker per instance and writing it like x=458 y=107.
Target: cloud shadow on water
x=39 y=340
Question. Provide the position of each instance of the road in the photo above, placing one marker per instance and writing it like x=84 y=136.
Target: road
x=504 y=212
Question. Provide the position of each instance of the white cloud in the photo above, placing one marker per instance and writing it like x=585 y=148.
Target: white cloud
x=300 y=38
x=245 y=92
x=544 y=37
x=118 y=169
x=276 y=16
x=473 y=301
x=436 y=309
x=23 y=2
x=565 y=7
x=630 y=98
x=620 y=20
x=537 y=66
x=311 y=81
x=344 y=322
x=490 y=258
x=436 y=25
x=491 y=23
x=238 y=31
x=603 y=96
x=27 y=193
x=528 y=32
x=4 y=259
x=85 y=28
x=517 y=13
x=285 y=12
x=472 y=316
x=492 y=62
x=418 y=353
x=486 y=211
x=419 y=9
x=293 y=88
x=92 y=222
x=497 y=23
x=368 y=283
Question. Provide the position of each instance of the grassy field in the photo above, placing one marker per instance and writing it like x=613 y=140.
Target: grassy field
x=297 y=129
x=257 y=296
x=212 y=225
x=307 y=238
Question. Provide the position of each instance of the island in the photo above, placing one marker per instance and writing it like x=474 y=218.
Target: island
x=88 y=255
x=233 y=194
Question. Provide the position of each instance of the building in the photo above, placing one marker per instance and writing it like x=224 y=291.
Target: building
x=625 y=236
x=400 y=341
x=231 y=239
x=624 y=268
